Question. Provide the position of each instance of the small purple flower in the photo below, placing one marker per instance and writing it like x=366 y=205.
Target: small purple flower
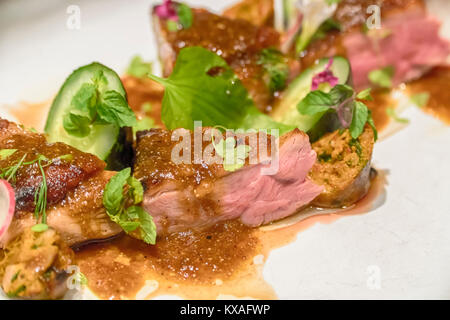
x=167 y=10
x=326 y=76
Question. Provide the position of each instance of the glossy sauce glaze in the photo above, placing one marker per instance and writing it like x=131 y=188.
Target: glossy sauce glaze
x=222 y=262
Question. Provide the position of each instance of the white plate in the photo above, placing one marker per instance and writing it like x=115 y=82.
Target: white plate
x=404 y=243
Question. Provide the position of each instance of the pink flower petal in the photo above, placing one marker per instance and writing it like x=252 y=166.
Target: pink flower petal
x=326 y=76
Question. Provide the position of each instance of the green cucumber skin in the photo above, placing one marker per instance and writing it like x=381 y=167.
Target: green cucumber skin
x=103 y=140
x=286 y=110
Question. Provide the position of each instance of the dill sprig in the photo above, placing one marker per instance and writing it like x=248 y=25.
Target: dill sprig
x=9 y=173
x=40 y=196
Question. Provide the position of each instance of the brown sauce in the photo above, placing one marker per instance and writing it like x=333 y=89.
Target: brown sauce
x=381 y=101
x=222 y=262
x=437 y=84
x=31 y=115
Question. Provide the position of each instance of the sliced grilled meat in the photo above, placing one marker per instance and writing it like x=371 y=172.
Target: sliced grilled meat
x=408 y=40
x=238 y=42
x=75 y=183
x=198 y=195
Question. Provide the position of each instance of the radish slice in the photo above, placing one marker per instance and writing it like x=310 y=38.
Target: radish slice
x=7 y=206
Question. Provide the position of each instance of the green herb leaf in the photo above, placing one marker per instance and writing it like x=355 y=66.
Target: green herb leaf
x=360 y=114
x=138 y=68
x=420 y=99
x=327 y=26
x=132 y=218
x=172 y=26
x=276 y=68
x=192 y=94
x=315 y=102
x=5 y=153
x=145 y=123
x=77 y=125
x=40 y=227
x=382 y=77
x=92 y=105
x=136 y=189
x=115 y=110
x=364 y=95
x=372 y=125
x=184 y=15
x=393 y=114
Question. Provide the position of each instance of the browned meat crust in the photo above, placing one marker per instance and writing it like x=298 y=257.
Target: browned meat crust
x=342 y=167
x=257 y=12
x=238 y=42
x=144 y=97
x=62 y=175
x=75 y=188
x=181 y=196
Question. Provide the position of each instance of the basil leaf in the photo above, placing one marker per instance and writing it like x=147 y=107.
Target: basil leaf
x=360 y=114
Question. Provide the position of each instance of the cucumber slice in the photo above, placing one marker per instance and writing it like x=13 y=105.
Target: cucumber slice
x=102 y=138
x=285 y=111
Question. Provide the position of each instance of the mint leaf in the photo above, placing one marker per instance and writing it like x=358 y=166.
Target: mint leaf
x=193 y=94
x=315 y=102
x=147 y=226
x=114 y=109
x=138 y=68
x=360 y=114
x=136 y=190
x=77 y=125
x=382 y=77
x=113 y=194
x=85 y=99
x=133 y=217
